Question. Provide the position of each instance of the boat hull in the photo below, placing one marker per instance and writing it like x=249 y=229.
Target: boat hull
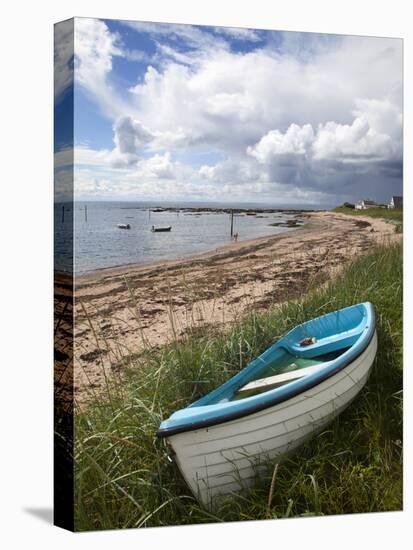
x=224 y=458
x=161 y=229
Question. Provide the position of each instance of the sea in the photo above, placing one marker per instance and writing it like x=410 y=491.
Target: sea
x=87 y=236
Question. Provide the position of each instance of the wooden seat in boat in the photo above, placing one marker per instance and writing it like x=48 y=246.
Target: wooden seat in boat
x=281 y=378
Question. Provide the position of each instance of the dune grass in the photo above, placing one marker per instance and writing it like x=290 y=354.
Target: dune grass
x=123 y=478
x=393 y=215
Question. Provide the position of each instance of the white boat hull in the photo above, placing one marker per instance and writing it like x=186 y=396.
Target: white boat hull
x=224 y=458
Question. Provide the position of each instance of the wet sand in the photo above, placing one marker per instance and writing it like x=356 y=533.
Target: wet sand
x=121 y=311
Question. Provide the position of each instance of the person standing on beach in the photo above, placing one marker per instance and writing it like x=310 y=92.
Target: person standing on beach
x=235 y=237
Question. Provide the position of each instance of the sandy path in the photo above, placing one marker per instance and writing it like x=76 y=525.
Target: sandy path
x=123 y=310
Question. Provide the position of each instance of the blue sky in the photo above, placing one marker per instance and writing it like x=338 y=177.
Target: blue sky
x=181 y=112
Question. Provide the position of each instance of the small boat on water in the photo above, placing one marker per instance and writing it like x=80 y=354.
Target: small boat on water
x=159 y=229
x=124 y=225
x=279 y=400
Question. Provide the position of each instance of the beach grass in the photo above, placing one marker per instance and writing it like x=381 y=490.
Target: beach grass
x=393 y=215
x=124 y=479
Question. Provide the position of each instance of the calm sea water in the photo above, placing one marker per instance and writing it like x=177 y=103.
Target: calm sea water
x=99 y=243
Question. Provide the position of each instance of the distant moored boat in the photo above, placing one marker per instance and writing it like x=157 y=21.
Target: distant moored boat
x=124 y=225
x=158 y=229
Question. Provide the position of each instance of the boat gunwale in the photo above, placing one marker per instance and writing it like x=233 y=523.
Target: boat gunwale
x=306 y=383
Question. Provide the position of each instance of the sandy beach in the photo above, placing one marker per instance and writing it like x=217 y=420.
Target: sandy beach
x=121 y=311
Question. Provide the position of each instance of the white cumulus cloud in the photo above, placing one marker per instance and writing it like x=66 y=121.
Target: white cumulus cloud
x=375 y=132
x=131 y=135
x=95 y=47
x=295 y=141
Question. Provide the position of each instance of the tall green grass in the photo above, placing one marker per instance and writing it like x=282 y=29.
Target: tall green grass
x=393 y=215
x=123 y=476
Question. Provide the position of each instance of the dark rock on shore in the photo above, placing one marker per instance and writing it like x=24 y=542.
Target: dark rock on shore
x=288 y=223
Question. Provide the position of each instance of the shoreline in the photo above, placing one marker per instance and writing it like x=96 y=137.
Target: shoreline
x=299 y=219
x=182 y=260
x=121 y=312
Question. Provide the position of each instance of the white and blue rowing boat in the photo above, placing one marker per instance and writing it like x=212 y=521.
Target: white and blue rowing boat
x=282 y=398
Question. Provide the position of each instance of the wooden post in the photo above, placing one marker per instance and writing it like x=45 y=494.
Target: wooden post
x=232 y=223
x=63 y=214
x=85 y=213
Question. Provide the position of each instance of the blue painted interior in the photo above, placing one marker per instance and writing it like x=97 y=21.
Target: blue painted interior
x=349 y=329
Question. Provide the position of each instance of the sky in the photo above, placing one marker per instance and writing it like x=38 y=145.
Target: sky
x=169 y=112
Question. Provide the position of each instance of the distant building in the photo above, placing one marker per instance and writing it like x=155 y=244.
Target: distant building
x=364 y=204
x=395 y=202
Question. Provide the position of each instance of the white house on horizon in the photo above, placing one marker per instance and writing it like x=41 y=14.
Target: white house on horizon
x=395 y=202
x=365 y=203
